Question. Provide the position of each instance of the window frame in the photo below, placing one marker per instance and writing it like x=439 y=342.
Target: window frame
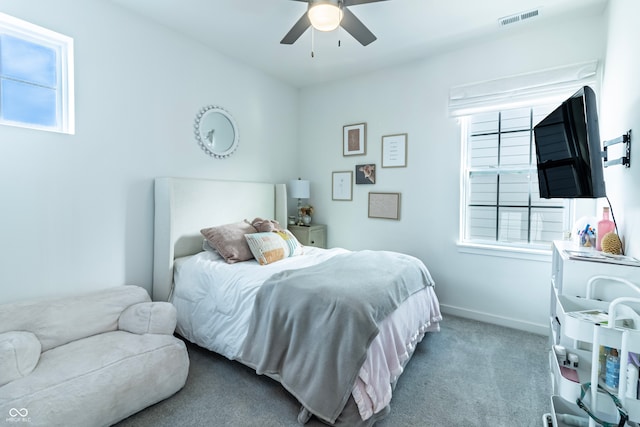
x=527 y=250
x=64 y=47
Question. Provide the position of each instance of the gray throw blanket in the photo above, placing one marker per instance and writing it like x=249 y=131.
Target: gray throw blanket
x=311 y=328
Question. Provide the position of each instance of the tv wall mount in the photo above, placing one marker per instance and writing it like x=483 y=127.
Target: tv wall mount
x=624 y=160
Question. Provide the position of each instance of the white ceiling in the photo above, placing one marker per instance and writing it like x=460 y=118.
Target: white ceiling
x=250 y=30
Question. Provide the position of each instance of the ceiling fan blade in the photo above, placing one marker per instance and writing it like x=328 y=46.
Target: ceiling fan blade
x=356 y=28
x=297 y=30
x=357 y=2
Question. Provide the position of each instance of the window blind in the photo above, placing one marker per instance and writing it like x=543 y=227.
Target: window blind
x=550 y=85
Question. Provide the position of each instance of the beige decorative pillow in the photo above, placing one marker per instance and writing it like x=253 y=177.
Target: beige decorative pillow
x=295 y=247
x=229 y=240
x=267 y=247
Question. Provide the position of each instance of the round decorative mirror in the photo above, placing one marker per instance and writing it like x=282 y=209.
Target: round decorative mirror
x=216 y=132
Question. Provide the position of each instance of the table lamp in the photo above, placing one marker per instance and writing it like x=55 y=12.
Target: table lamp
x=299 y=189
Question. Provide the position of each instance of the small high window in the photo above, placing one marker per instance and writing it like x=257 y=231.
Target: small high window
x=36 y=77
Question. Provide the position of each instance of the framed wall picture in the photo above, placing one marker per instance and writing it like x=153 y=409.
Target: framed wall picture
x=384 y=205
x=366 y=174
x=341 y=185
x=394 y=151
x=354 y=139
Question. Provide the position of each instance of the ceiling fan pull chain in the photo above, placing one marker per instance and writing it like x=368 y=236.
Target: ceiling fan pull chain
x=312 y=42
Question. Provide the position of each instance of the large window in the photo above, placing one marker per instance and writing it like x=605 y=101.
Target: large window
x=36 y=77
x=502 y=205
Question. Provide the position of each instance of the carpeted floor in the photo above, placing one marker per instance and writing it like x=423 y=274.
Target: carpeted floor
x=468 y=374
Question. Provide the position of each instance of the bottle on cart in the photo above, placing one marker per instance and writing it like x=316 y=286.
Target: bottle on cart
x=605 y=225
x=602 y=361
x=612 y=376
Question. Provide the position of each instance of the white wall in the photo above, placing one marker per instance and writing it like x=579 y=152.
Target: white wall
x=619 y=112
x=77 y=210
x=413 y=98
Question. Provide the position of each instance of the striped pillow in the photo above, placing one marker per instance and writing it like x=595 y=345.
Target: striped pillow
x=267 y=247
x=270 y=247
x=295 y=248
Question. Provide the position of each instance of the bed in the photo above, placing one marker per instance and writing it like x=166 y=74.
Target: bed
x=338 y=346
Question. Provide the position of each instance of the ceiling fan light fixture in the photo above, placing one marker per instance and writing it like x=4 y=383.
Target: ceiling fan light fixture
x=325 y=16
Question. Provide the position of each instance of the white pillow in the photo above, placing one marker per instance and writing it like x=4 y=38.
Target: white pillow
x=206 y=246
x=19 y=355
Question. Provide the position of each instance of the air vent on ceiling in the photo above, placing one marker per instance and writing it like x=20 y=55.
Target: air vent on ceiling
x=518 y=17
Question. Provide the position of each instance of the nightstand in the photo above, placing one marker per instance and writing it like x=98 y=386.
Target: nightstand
x=313 y=235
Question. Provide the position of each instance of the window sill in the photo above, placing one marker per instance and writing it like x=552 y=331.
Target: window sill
x=528 y=254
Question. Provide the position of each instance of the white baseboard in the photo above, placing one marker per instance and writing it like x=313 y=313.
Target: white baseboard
x=535 y=328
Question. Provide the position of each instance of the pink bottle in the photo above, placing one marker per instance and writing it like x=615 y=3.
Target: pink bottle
x=605 y=225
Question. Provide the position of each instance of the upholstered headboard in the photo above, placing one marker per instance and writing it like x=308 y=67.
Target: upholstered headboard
x=184 y=206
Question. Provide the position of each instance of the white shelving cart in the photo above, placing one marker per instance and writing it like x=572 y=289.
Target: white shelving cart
x=579 y=286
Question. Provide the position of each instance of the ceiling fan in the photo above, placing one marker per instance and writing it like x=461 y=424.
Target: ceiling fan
x=327 y=15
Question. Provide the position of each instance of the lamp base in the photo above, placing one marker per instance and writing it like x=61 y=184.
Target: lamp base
x=299 y=219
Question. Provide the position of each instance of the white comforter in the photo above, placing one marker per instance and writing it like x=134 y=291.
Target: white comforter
x=215 y=300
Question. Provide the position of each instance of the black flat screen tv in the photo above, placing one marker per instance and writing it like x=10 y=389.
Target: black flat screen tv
x=568 y=153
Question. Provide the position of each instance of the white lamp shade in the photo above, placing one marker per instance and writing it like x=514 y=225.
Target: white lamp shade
x=299 y=189
x=325 y=17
